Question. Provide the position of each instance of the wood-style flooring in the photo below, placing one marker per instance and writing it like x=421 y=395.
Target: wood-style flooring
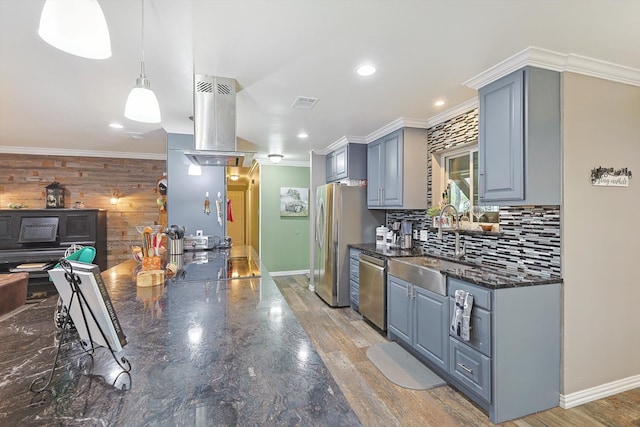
x=342 y=337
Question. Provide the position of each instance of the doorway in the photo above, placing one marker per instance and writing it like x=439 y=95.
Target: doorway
x=236 y=228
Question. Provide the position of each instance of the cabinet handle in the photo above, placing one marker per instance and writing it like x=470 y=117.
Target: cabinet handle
x=382 y=196
x=408 y=291
x=465 y=368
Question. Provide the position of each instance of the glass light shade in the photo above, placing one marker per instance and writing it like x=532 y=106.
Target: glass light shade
x=234 y=177
x=142 y=104
x=77 y=27
x=276 y=158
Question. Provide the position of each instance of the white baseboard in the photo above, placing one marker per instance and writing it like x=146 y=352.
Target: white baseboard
x=288 y=273
x=599 y=392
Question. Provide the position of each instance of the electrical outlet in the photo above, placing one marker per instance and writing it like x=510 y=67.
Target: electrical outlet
x=424 y=235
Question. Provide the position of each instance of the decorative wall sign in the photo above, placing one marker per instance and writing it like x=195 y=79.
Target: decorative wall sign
x=610 y=177
x=294 y=201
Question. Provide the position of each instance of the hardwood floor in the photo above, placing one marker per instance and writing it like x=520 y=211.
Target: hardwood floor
x=342 y=337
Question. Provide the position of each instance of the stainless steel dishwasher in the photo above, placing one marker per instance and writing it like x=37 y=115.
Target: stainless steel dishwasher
x=373 y=289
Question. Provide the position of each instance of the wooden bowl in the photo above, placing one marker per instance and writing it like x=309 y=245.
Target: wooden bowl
x=486 y=227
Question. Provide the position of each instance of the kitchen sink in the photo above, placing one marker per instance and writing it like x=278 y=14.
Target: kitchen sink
x=425 y=272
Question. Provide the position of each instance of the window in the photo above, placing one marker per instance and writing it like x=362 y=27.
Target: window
x=460 y=184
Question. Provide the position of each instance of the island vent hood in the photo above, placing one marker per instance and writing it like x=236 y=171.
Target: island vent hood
x=214 y=123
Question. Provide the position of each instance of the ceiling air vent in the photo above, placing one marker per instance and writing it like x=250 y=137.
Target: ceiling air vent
x=304 y=103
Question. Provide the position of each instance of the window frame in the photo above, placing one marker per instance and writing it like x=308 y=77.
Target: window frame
x=466 y=151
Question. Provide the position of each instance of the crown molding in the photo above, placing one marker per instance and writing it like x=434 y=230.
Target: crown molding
x=556 y=61
x=345 y=140
x=296 y=163
x=38 y=151
x=402 y=122
x=453 y=112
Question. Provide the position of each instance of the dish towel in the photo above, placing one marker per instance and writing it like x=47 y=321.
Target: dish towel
x=461 y=319
x=229 y=211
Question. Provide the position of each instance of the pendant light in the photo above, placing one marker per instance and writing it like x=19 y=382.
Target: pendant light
x=77 y=27
x=142 y=104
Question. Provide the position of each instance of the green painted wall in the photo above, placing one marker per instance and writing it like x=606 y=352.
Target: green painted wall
x=285 y=240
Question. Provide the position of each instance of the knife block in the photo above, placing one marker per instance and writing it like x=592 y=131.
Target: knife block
x=151 y=263
x=150 y=278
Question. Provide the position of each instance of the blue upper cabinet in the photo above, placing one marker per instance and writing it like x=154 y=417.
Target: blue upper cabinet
x=349 y=161
x=397 y=170
x=519 y=139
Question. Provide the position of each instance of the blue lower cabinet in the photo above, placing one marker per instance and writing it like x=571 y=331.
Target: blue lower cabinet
x=419 y=318
x=471 y=368
x=431 y=317
x=399 y=309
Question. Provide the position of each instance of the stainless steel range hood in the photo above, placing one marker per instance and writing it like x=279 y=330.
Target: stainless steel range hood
x=214 y=123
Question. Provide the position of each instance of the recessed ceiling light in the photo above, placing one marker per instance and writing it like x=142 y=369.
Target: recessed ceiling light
x=439 y=103
x=115 y=125
x=303 y=135
x=365 y=70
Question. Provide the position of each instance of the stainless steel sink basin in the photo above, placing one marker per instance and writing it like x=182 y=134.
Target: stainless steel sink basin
x=425 y=272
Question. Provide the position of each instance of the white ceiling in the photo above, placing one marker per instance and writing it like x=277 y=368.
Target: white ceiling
x=278 y=50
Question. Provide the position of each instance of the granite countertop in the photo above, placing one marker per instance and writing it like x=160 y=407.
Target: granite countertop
x=482 y=275
x=384 y=251
x=203 y=351
x=494 y=278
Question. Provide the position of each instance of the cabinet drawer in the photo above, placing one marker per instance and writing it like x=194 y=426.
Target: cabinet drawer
x=481 y=296
x=471 y=368
x=354 y=295
x=480 y=333
x=354 y=269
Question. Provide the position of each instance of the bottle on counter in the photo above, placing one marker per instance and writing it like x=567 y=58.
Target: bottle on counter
x=381 y=236
x=390 y=239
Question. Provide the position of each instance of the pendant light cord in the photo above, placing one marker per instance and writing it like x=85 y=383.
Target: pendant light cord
x=142 y=42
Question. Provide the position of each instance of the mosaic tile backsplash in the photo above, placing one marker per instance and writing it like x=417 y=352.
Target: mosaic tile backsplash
x=528 y=241
x=529 y=238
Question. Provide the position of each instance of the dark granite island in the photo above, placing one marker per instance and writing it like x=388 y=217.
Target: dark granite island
x=204 y=351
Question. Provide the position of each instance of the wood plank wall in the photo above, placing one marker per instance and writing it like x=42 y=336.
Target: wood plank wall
x=23 y=178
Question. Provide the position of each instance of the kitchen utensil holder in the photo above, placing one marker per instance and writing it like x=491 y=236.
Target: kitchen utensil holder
x=176 y=246
x=151 y=263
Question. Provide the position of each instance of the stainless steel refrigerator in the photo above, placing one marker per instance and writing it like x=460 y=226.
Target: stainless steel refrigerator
x=341 y=218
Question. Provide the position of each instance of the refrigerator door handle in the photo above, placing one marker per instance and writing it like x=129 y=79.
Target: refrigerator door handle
x=320 y=219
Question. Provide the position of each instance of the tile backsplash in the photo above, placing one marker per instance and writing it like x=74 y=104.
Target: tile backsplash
x=529 y=237
x=528 y=241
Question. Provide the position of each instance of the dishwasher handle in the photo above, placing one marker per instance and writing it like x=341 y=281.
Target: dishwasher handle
x=372 y=260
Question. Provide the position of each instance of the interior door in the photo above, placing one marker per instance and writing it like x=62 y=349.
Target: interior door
x=236 y=228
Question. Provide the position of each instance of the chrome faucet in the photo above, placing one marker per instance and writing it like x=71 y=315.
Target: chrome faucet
x=459 y=252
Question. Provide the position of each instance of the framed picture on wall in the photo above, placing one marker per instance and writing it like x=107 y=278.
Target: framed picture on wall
x=294 y=201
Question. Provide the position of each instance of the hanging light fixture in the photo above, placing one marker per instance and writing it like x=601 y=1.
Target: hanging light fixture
x=142 y=104
x=275 y=158
x=77 y=27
